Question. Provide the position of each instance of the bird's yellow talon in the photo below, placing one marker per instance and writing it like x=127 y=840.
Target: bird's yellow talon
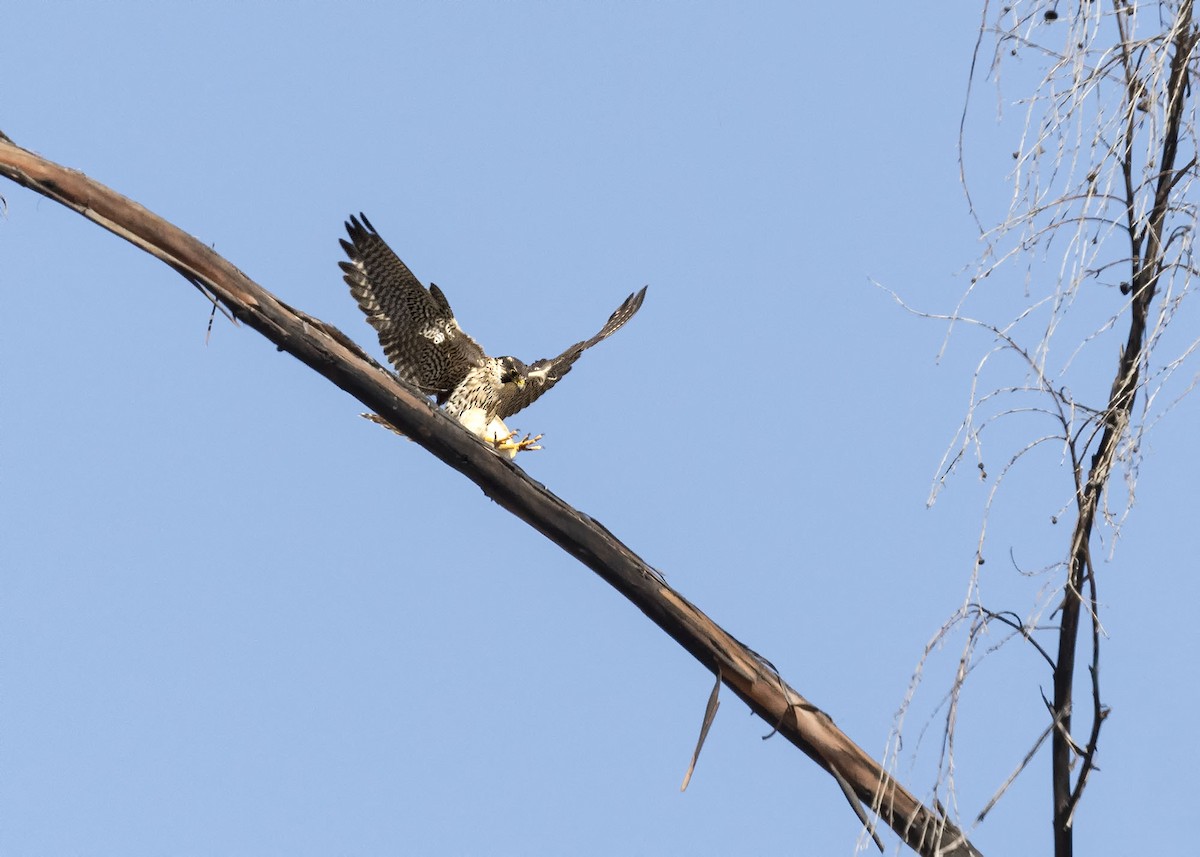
x=525 y=444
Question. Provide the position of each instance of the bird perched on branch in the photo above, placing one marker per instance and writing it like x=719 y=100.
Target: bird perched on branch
x=428 y=349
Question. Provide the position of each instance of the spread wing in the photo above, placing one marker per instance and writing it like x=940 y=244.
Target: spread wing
x=545 y=373
x=416 y=325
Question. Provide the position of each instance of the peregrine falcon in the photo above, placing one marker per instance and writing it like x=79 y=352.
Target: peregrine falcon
x=428 y=349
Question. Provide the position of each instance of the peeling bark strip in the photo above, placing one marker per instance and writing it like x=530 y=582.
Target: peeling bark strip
x=332 y=354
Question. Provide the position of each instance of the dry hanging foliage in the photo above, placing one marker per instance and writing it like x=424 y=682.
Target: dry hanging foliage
x=1099 y=216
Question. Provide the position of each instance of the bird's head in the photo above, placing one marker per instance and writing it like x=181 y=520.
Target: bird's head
x=512 y=371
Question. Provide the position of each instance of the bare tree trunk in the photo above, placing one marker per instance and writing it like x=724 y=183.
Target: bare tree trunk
x=1107 y=121
x=1147 y=263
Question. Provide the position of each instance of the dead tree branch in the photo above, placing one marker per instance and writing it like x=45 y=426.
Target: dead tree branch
x=1148 y=254
x=332 y=354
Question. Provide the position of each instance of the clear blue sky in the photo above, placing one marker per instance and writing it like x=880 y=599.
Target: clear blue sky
x=236 y=619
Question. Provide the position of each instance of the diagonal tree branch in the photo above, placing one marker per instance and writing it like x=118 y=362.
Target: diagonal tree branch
x=332 y=354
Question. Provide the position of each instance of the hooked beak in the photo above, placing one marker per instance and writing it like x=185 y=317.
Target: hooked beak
x=520 y=383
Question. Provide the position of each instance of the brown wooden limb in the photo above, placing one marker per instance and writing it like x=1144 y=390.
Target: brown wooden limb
x=332 y=354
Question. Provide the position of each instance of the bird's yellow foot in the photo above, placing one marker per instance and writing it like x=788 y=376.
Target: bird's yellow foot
x=525 y=444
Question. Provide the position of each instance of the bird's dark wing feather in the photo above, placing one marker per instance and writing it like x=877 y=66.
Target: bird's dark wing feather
x=416 y=325
x=545 y=373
